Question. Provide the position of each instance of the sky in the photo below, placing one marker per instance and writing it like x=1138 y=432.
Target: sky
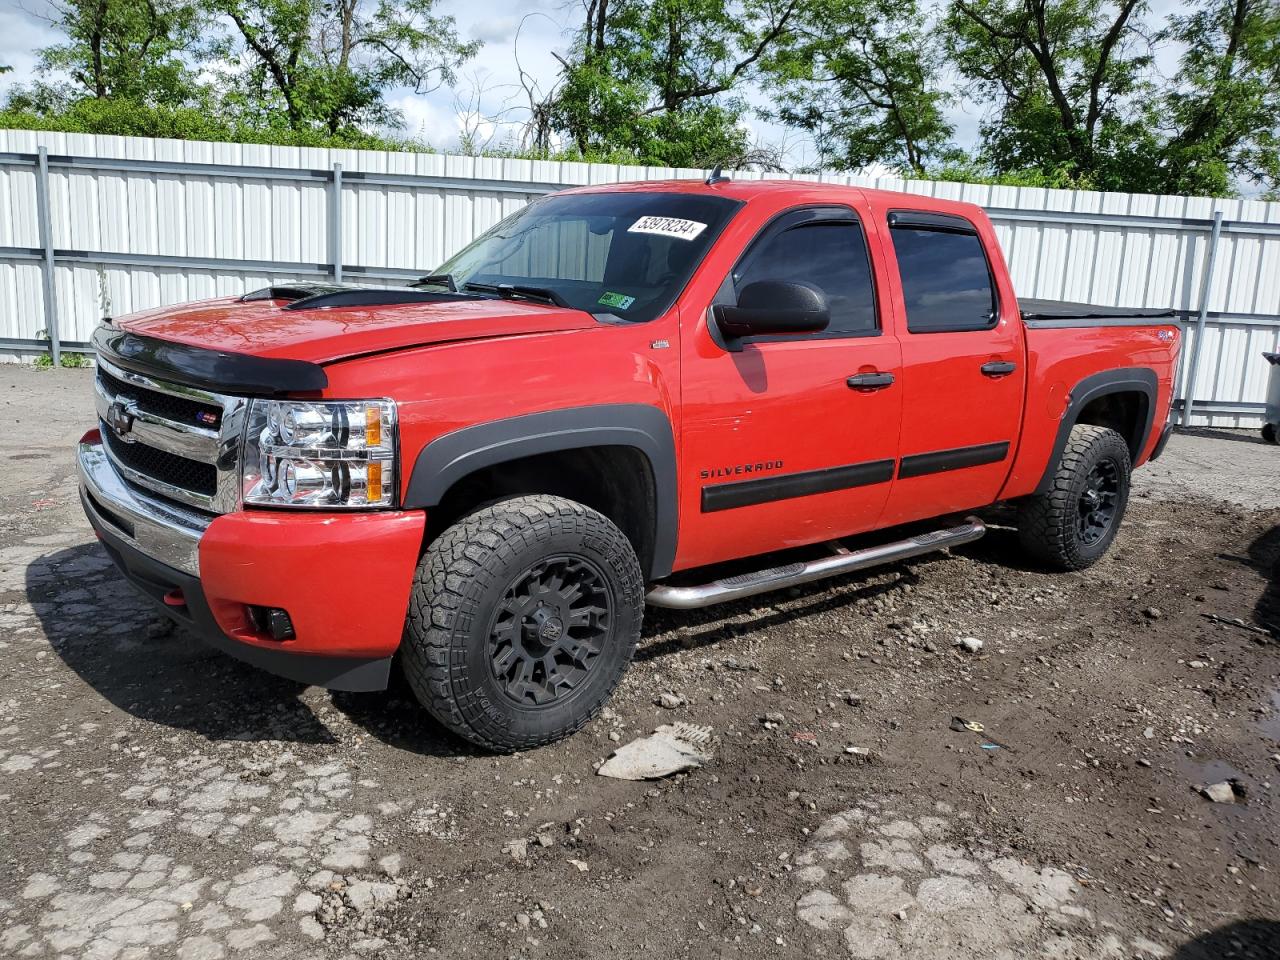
x=517 y=35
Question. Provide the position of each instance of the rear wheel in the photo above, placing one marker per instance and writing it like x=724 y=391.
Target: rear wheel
x=1072 y=524
x=523 y=617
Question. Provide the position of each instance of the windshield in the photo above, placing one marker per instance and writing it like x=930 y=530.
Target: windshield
x=626 y=254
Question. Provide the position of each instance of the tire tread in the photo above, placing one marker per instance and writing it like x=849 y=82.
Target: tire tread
x=440 y=608
x=1046 y=521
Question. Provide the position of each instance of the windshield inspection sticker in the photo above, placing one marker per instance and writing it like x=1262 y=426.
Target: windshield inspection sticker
x=619 y=300
x=668 y=227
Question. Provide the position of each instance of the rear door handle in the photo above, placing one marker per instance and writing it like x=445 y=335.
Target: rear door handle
x=998 y=368
x=870 y=381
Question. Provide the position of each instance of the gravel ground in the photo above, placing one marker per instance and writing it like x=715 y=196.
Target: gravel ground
x=162 y=800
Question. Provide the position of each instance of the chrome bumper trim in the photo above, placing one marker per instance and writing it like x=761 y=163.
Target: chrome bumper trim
x=162 y=531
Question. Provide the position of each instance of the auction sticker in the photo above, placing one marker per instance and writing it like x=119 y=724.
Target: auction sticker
x=668 y=227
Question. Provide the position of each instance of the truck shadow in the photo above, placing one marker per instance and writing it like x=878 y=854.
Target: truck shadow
x=1264 y=556
x=118 y=644
x=723 y=623
x=1244 y=939
x=131 y=655
x=1239 y=436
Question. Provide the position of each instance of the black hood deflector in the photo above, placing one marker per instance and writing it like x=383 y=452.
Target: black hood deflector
x=214 y=370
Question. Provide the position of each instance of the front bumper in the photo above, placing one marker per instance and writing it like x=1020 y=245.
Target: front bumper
x=344 y=579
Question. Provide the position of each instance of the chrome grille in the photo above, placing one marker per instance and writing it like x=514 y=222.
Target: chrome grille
x=170 y=439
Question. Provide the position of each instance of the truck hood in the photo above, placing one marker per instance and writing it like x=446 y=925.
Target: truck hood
x=264 y=328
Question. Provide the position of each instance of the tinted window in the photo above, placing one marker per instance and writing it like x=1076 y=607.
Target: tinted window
x=833 y=257
x=624 y=253
x=945 y=280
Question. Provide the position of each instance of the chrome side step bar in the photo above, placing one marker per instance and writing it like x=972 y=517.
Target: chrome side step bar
x=842 y=561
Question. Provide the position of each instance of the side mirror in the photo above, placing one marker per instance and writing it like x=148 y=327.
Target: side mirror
x=773 y=307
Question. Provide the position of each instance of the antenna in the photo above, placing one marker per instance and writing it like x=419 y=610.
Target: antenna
x=716 y=177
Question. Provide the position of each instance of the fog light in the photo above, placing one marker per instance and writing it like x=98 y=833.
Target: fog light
x=272 y=620
x=280 y=625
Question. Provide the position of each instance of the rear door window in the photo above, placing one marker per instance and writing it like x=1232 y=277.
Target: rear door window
x=946 y=281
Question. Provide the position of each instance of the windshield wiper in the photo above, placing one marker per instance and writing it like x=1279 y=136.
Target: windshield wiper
x=437 y=280
x=519 y=291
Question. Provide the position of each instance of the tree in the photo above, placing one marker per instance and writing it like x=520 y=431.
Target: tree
x=1223 y=113
x=664 y=80
x=1068 y=80
x=135 y=50
x=328 y=63
x=861 y=78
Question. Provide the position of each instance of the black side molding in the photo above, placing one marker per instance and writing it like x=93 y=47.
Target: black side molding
x=447 y=459
x=957 y=458
x=213 y=370
x=747 y=493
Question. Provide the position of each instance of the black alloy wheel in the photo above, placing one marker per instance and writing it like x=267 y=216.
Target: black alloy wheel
x=1071 y=522
x=1099 y=500
x=522 y=618
x=549 y=629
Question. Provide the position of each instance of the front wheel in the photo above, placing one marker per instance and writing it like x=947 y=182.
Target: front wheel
x=1072 y=524
x=522 y=619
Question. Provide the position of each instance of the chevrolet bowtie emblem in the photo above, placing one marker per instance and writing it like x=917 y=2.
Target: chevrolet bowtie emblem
x=120 y=417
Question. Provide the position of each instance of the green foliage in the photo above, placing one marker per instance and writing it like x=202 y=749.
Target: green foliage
x=969 y=171
x=126 y=49
x=68 y=361
x=326 y=65
x=663 y=80
x=122 y=118
x=1072 y=93
x=1066 y=80
x=1223 y=114
x=861 y=78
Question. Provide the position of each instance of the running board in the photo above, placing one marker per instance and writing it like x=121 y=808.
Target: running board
x=842 y=561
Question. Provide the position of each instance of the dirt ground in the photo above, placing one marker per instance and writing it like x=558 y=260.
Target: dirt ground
x=159 y=799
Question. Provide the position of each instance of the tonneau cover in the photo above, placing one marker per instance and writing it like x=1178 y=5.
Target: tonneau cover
x=1065 y=313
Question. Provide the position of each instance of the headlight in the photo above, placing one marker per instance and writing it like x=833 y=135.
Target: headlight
x=321 y=454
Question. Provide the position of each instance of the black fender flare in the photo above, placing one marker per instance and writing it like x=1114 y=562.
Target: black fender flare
x=448 y=458
x=1140 y=380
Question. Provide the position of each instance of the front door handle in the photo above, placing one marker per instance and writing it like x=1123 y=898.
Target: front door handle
x=998 y=368
x=870 y=381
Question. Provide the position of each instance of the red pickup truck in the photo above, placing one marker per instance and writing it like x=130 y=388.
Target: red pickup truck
x=487 y=474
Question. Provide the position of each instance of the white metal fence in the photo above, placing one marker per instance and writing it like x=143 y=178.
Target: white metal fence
x=93 y=226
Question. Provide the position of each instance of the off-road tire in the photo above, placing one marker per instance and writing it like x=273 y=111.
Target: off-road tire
x=1269 y=433
x=1049 y=523
x=457 y=592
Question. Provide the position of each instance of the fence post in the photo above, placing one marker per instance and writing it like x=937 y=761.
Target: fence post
x=1206 y=281
x=45 y=224
x=335 y=222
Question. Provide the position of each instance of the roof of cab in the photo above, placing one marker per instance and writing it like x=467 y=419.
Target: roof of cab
x=803 y=191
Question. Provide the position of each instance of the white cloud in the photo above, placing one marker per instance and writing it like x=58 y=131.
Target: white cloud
x=22 y=34
x=427 y=120
x=494 y=30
